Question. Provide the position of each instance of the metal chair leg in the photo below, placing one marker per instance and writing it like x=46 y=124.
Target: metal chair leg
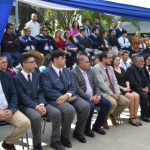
x=22 y=143
x=44 y=125
x=41 y=124
x=27 y=140
x=120 y=119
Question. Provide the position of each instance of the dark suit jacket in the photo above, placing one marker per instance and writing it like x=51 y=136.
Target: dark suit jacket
x=113 y=42
x=118 y=32
x=26 y=42
x=108 y=35
x=29 y=97
x=41 y=41
x=134 y=78
x=53 y=86
x=80 y=43
x=81 y=84
x=9 y=89
x=147 y=75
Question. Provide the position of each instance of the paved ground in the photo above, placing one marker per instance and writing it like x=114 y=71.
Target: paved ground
x=123 y=137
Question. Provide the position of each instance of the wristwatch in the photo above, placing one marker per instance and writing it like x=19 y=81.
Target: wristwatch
x=13 y=111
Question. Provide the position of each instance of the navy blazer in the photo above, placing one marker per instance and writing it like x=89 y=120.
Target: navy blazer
x=53 y=86
x=9 y=89
x=80 y=43
x=118 y=32
x=26 y=42
x=29 y=97
x=42 y=40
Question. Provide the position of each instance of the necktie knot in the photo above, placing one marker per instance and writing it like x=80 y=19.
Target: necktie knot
x=29 y=79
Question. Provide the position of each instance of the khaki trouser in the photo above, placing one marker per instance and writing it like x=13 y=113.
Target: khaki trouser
x=117 y=107
x=21 y=123
x=39 y=55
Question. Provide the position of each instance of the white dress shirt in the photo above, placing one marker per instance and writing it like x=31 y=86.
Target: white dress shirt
x=124 y=65
x=123 y=43
x=3 y=98
x=35 y=28
x=87 y=31
x=120 y=28
x=26 y=77
x=148 y=70
x=88 y=81
x=28 y=47
x=57 y=72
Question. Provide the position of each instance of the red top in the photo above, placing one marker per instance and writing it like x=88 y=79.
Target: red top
x=12 y=72
x=60 y=44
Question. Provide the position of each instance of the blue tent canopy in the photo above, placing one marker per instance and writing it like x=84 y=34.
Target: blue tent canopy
x=124 y=8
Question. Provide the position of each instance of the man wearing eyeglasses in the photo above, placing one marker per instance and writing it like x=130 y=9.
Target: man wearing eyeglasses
x=28 y=44
x=45 y=42
x=33 y=104
x=109 y=87
x=10 y=43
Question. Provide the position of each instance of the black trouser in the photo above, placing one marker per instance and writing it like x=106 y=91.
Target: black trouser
x=144 y=103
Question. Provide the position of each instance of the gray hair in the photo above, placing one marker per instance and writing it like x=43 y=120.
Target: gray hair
x=80 y=59
x=136 y=58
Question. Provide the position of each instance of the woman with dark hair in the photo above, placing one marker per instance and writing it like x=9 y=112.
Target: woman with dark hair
x=103 y=36
x=94 y=60
x=72 y=48
x=147 y=66
x=4 y=66
x=46 y=63
x=124 y=86
x=74 y=28
x=60 y=45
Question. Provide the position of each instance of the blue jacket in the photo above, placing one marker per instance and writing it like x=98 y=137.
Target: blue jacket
x=54 y=88
x=26 y=42
x=9 y=89
x=29 y=97
x=95 y=42
x=118 y=32
x=42 y=40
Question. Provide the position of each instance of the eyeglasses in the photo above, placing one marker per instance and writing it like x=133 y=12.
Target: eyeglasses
x=32 y=62
x=59 y=33
x=45 y=30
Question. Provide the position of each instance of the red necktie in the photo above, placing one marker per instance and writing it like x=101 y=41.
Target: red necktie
x=111 y=88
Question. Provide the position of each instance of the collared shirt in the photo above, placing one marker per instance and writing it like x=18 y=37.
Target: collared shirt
x=57 y=72
x=124 y=65
x=88 y=81
x=35 y=28
x=94 y=35
x=120 y=28
x=124 y=42
x=28 y=47
x=3 y=98
x=148 y=70
x=87 y=31
x=26 y=77
x=81 y=36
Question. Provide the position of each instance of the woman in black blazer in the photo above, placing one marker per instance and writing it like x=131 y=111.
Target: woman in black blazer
x=147 y=66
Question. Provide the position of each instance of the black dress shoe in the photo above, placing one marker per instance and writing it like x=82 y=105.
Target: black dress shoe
x=89 y=133
x=98 y=130
x=38 y=147
x=140 y=124
x=134 y=124
x=79 y=137
x=57 y=145
x=65 y=142
x=144 y=119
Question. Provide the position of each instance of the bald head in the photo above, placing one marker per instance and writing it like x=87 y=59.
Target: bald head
x=34 y=17
x=83 y=63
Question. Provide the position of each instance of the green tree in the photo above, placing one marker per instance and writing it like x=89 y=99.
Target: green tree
x=105 y=19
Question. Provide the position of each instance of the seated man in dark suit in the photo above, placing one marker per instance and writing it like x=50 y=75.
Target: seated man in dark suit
x=88 y=89
x=28 y=44
x=95 y=40
x=45 y=42
x=112 y=27
x=140 y=84
x=60 y=90
x=9 y=110
x=113 y=41
x=33 y=104
x=83 y=43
